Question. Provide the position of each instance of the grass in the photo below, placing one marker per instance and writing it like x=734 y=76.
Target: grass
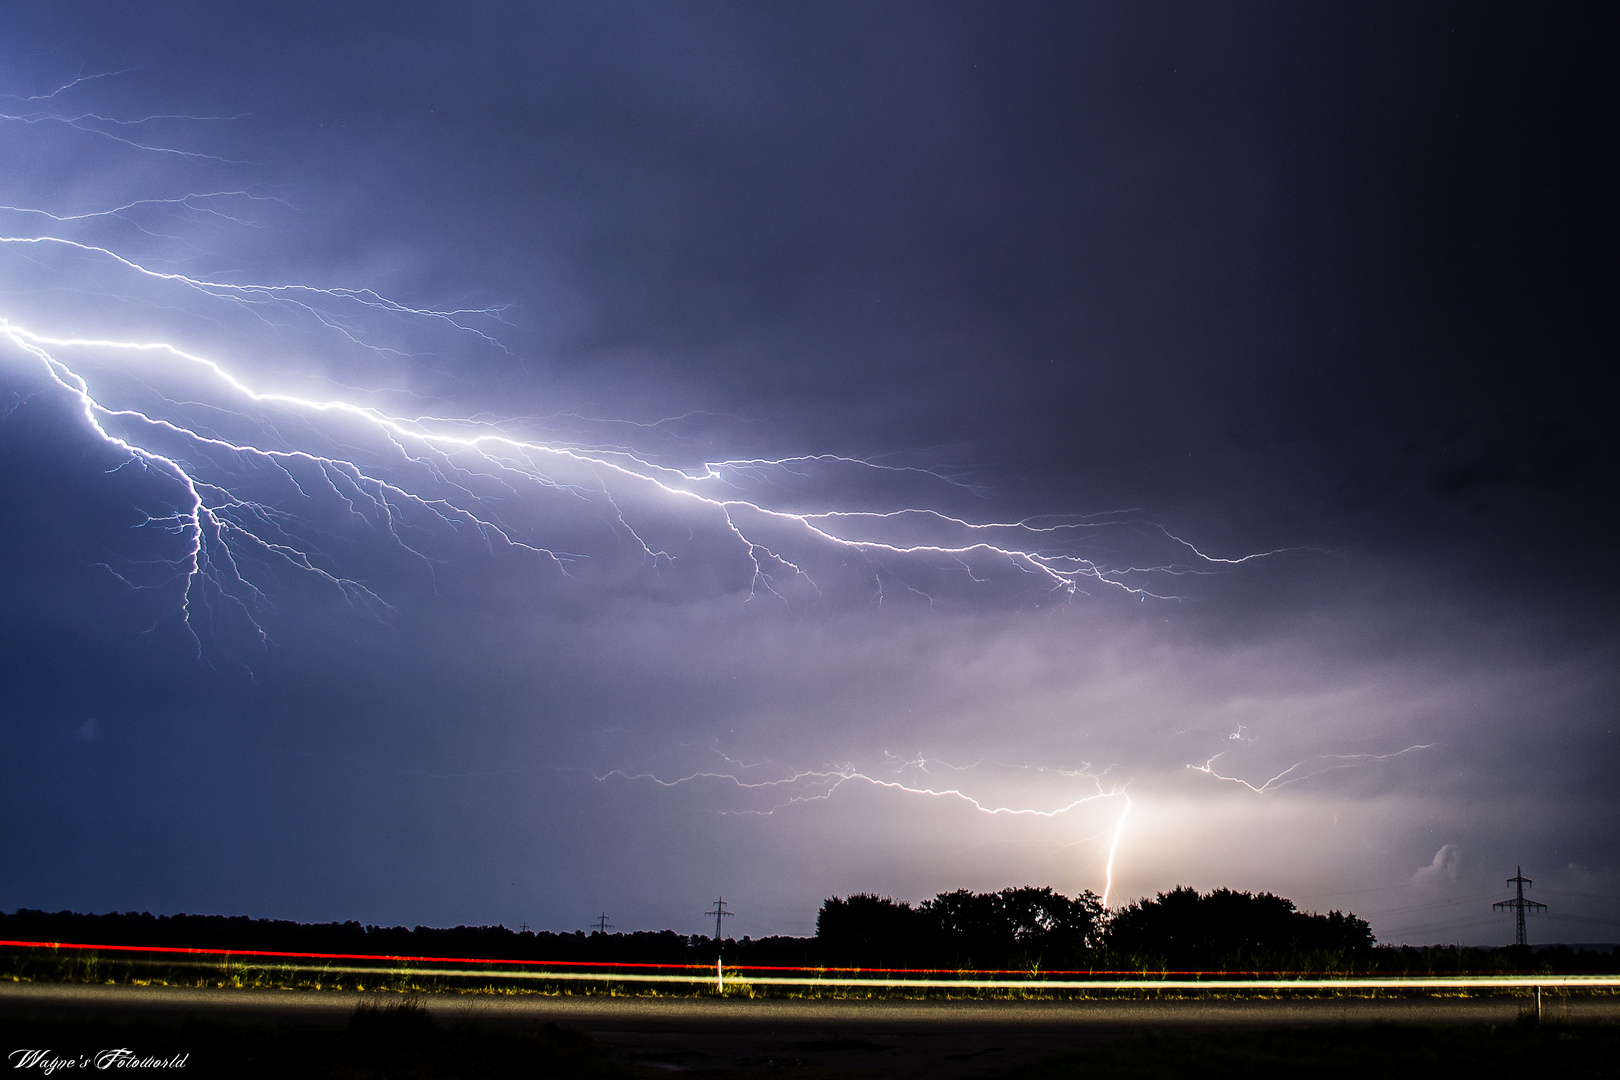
x=1380 y=1050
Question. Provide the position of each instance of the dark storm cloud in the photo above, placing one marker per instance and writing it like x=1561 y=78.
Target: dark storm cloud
x=1128 y=239
x=1325 y=279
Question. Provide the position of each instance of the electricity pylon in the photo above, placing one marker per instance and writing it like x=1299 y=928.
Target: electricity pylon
x=719 y=913
x=1518 y=904
x=602 y=925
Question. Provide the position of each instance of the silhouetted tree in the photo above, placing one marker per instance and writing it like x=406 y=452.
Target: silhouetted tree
x=968 y=928
x=1016 y=927
x=1050 y=927
x=870 y=931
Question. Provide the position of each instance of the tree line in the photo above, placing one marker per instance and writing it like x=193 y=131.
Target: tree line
x=1039 y=929
x=1025 y=928
x=1020 y=929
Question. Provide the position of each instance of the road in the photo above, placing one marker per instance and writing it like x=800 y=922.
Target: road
x=893 y=1038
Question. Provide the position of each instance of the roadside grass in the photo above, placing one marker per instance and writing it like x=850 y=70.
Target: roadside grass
x=1379 y=1050
x=396 y=1040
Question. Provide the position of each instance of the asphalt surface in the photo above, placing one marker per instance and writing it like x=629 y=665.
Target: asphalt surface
x=833 y=1037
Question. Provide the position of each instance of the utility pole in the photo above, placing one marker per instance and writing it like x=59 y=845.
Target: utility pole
x=1519 y=905
x=602 y=925
x=719 y=913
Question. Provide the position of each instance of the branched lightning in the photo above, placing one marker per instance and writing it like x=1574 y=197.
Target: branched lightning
x=97 y=124
x=471 y=466
x=302 y=298
x=1315 y=765
x=797 y=787
x=265 y=481
x=200 y=203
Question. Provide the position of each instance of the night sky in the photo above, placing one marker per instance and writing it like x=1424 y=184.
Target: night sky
x=503 y=463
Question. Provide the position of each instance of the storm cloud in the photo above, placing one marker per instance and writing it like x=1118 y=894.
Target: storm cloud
x=788 y=452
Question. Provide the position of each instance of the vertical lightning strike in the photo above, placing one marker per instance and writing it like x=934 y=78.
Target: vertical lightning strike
x=1113 y=849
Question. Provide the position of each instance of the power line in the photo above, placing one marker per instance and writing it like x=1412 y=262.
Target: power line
x=1450 y=901
x=1585 y=919
x=1460 y=920
x=1556 y=891
x=1518 y=904
x=1408 y=933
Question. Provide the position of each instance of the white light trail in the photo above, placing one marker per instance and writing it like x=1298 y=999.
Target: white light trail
x=499 y=971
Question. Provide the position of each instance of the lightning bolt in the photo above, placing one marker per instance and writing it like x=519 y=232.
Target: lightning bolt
x=804 y=786
x=454 y=463
x=265 y=482
x=1304 y=769
x=121 y=130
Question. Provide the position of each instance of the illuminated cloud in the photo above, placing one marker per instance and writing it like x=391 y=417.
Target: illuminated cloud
x=1443 y=870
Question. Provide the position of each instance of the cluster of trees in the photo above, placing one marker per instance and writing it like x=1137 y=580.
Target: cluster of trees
x=1186 y=930
x=1023 y=927
x=1032 y=929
